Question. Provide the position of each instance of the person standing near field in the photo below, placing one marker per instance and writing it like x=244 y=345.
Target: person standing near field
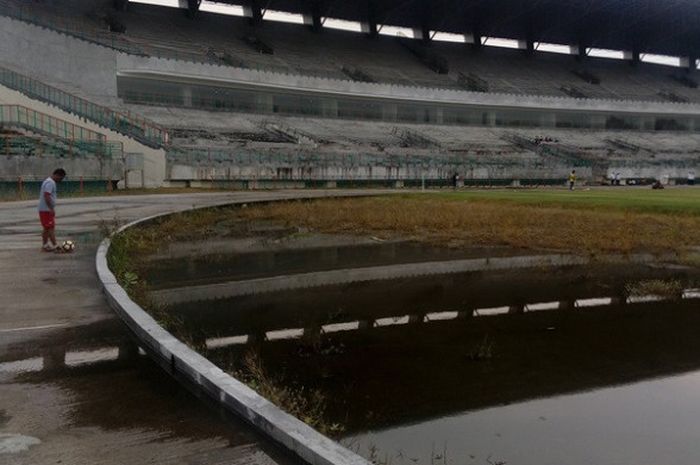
x=47 y=209
x=572 y=179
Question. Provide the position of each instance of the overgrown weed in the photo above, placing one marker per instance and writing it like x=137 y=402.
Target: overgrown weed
x=667 y=288
x=309 y=405
x=483 y=222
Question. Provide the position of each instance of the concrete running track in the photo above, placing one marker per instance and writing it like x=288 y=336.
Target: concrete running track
x=73 y=387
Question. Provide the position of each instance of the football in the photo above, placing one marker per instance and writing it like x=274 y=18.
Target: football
x=68 y=246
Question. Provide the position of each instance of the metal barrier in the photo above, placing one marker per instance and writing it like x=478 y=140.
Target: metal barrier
x=46 y=124
x=19 y=145
x=128 y=124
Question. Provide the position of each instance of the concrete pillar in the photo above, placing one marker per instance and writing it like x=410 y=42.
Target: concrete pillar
x=128 y=351
x=618 y=300
x=187 y=96
x=490 y=118
x=312 y=333
x=329 y=108
x=264 y=103
x=390 y=112
x=256 y=338
x=439 y=115
x=567 y=305
x=465 y=314
x=516 y=309
x=56 y=359
x=549 y=120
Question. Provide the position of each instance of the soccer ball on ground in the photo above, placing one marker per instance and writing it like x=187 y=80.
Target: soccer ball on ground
x=68 y=246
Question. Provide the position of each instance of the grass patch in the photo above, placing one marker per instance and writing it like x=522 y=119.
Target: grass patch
x=306 y=405
x=680 y=201
x=670 y=289
x=455 y=220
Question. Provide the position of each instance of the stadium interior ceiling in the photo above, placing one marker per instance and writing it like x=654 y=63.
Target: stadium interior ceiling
x=670 y=27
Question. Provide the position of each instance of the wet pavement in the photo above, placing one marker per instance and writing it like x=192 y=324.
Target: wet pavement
x=73 y=387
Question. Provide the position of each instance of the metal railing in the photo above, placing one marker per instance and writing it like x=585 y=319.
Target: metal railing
x=20 y=145
x=128 y=124
x=45 y=124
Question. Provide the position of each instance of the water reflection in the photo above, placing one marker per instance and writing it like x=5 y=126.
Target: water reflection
x=470 y=367
x=653 y=422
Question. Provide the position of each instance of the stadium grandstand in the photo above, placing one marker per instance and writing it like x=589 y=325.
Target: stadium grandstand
x=323 y=92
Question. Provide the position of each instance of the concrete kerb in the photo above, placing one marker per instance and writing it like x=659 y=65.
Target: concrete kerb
x=288 y=431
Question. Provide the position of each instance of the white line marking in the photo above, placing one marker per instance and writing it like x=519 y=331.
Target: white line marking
x=33 y=328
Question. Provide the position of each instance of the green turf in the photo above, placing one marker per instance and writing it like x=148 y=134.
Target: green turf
x=684 y=201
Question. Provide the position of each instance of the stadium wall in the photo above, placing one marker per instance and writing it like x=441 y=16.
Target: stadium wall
x=60 y=59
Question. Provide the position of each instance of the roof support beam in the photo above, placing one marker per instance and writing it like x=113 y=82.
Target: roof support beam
x=581 y=50
x=476 y=35
x=121 y=5
x=193 y=8
x=256 y=15
x=370 y=26
x=634 y=60
x=315 y=8
x=427 y=14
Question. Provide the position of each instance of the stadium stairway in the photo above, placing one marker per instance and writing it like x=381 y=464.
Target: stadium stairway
x=146 y=161
x=19 y=144
x=127 y=124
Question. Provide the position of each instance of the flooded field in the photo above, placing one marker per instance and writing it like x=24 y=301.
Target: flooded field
x=587 y=363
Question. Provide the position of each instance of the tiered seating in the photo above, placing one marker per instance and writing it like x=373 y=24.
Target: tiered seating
x=344 y=55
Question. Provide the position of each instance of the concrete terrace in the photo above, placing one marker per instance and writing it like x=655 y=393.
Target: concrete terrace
x=73 y=387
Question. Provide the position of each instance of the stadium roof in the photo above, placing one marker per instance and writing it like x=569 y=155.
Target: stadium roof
x=668 y=27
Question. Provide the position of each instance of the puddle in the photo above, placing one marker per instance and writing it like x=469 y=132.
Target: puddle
x=409 y=366
x=15 y=443
x=524 y=366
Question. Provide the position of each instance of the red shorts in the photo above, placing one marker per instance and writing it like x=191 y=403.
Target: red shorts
x=48 y=219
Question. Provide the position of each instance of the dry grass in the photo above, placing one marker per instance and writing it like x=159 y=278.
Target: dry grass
x=490 y=223
x=307 y=405
x=658 y=287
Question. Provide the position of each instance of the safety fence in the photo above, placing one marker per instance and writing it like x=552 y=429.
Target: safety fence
x=24 y=189
x=128 y=124
x=45 y=124
x=20 y=145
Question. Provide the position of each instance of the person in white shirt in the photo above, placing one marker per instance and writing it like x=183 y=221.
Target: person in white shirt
x=47 y=209
x=691 y=178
